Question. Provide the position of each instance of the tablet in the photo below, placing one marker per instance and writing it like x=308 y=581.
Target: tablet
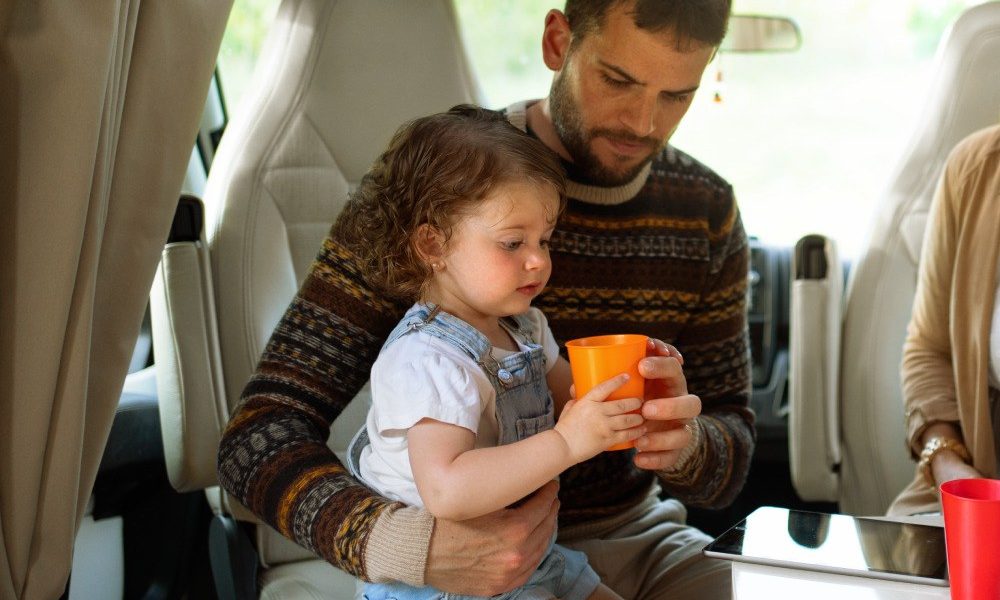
x=833 y=543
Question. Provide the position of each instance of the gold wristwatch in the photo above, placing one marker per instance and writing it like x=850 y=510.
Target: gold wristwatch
x=931 y=449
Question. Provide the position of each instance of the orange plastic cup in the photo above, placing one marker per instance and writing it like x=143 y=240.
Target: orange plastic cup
x=601 y=357
x=971 y=510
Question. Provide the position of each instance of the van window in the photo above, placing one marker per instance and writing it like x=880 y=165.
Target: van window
x=241 y=44
x=808 y=139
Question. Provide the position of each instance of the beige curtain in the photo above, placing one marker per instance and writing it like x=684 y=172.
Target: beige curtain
x=99 y=105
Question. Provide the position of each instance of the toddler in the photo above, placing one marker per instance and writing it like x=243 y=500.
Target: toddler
x=456 y=215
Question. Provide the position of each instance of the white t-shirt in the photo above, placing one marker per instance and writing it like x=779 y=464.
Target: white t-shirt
x=420 y=376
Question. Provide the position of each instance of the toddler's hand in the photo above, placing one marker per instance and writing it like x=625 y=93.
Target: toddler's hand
x=589 y=425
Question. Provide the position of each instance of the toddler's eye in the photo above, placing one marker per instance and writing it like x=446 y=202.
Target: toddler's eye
x=511 y=246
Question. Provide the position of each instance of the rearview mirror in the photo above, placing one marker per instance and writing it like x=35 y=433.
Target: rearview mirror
x=759 y=33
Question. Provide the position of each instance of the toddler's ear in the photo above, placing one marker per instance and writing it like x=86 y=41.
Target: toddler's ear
x=429 y=243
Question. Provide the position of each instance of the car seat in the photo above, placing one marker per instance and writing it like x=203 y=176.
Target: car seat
x=334 y=80
x=847 y=439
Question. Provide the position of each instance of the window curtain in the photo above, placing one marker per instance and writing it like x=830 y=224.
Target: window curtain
x=99 y=106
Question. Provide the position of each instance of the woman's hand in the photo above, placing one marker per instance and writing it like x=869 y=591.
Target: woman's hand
x=947 y=466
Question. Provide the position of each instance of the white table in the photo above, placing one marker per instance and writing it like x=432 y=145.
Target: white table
x=759 y=582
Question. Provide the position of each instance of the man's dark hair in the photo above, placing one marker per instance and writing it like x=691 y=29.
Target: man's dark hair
x=701 y=21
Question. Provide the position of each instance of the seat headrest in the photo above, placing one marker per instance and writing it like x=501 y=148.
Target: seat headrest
x=964 y=96
x=334 y=81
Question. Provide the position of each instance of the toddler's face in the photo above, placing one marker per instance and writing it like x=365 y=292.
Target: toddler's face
x=497 y=259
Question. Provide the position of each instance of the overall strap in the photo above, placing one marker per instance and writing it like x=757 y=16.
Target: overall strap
x=431 y=320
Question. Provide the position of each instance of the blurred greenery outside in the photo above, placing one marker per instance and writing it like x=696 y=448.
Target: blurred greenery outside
x=241 y=44
x=809 y=139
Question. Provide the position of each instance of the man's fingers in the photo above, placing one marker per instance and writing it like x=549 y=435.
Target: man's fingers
x=667 y=440
x=494 y=553
x=656 y=461
x=661 y=367
x=660 y=348
x=683 y=407
x=539 y=513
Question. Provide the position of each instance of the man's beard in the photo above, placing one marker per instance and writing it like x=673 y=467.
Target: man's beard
x=568 y=122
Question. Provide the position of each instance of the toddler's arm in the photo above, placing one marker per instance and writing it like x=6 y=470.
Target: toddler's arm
x=458 y=481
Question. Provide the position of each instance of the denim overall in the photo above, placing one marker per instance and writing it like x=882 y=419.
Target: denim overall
x=523 y=408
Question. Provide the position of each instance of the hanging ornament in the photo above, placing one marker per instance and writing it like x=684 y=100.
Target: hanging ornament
x=719 y=85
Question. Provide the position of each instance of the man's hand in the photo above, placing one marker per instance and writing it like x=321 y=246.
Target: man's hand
x=494 y=553
x=667 y=410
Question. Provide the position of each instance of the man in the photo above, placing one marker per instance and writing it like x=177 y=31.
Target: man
x=651 y=242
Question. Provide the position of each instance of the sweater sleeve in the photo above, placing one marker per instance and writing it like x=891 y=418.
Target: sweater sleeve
x=273 y=456
x=927 y=376
x=711 y=472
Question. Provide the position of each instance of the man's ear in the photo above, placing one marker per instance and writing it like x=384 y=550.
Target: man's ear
x=555 y=40
x=429 y=243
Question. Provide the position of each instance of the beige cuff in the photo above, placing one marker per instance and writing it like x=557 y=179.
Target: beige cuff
x=684 y=460
x=398 y=545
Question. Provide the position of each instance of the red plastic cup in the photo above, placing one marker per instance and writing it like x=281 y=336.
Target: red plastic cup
x=601 y=357
x=972 y=537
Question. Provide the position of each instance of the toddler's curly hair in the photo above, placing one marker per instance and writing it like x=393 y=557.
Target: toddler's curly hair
x=436 y=169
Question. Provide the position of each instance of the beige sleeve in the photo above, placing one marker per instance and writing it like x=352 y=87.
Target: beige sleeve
x=927 y=375
x=398 y=546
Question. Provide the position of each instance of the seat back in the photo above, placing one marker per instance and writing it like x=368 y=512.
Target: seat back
x=874 y=463
x=334 y=80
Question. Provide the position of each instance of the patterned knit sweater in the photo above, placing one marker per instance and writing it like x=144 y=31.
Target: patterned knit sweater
x=665 y=255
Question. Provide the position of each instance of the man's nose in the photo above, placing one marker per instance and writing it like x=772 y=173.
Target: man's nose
x=639 y=115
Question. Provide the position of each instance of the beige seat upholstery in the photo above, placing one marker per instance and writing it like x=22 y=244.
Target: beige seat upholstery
x=334 y=81
x=847 y=435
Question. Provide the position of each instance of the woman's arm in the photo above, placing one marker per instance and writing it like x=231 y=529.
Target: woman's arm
x=458 y=482
x=927 y=374
x=927 y=371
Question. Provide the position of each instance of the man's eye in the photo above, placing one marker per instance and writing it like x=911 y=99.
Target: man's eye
x=618 y=83
x=678 y=98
